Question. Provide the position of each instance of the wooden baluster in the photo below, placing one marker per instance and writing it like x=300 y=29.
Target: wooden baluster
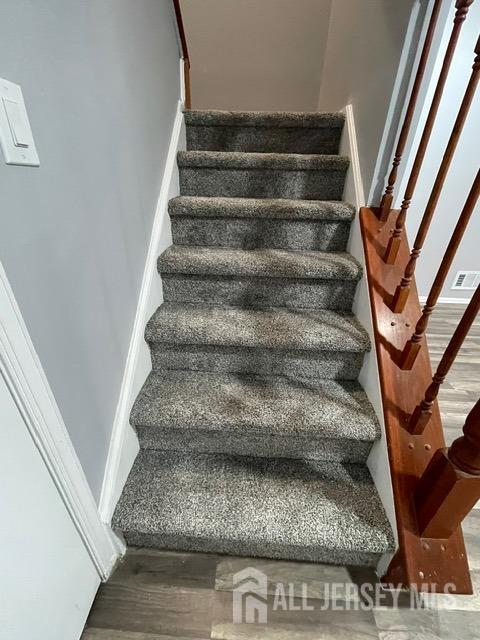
x=394 y=243
x=401 y=294
x=387 y=199
x=423 y=411
x=450 y=485
x=413 y=346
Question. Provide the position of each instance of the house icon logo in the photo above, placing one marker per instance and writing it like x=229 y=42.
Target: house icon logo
x=249 y=596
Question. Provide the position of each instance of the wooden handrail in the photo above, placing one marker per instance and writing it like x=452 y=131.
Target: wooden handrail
x=422 y=413
x=413 y=346
x=450 y=485
x=181 y=28
x=387 y=199
x=185 y=55
x=403 y=288
x=460 y=16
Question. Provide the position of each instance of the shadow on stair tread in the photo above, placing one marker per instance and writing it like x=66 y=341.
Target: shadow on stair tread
x=254 y=415
x=279 y=132
x=262 y=175
x=279 y=508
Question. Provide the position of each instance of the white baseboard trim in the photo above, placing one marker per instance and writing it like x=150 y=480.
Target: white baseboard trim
x=441 y=300
x=26 y=380
x=124 y=447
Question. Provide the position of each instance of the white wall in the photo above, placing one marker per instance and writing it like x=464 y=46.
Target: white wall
x=100 y=81
x=256 y=55
x=48 y=580
x=463 y=169
x=366 y=42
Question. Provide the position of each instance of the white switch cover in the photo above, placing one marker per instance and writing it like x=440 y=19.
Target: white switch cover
x=16 y=136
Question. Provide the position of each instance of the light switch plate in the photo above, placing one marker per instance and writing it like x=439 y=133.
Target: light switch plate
x=16 y=137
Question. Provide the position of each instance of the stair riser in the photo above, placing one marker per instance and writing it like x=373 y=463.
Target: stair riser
x=323 y=184
x=160 y=540
x=297 y=364
x=248 y=233
x=259 y=292
x=263 y=139
x=267 y=446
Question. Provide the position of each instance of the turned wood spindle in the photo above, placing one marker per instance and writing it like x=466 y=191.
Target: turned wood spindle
x=402 y=292
x=423 y=411
x=387 y=199
x=450 y=485
x=413 y=346
x=395 y=241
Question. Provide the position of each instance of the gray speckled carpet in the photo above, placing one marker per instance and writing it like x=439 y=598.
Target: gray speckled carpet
x=254 y=432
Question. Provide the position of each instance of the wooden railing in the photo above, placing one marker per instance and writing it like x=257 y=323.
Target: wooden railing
x=434 y=487
x=185 y=56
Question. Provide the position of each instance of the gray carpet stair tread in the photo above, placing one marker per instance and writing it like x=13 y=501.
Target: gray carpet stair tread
x=269 y=208
x=278 y=328
x=288 y=119
x=231 y=160
x=270 y=263
x=275 y=132
x=259 y=405
x=254 y=432
x=253 y=506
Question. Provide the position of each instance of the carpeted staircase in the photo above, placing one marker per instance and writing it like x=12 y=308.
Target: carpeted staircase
x=254 y=432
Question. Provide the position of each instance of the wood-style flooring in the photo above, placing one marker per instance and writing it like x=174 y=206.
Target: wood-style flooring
x=166 y=595
x=461 y=388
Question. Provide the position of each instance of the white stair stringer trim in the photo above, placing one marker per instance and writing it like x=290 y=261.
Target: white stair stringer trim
x=124 y=445
x=377 y=462
x=354 y=192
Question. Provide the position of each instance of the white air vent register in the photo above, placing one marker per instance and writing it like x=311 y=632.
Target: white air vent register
x=466 y=280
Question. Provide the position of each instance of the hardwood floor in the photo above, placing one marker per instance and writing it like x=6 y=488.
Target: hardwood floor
x=461 y=388
x=166 y=595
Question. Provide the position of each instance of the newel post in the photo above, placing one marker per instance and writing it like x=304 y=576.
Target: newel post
x=450 y=485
